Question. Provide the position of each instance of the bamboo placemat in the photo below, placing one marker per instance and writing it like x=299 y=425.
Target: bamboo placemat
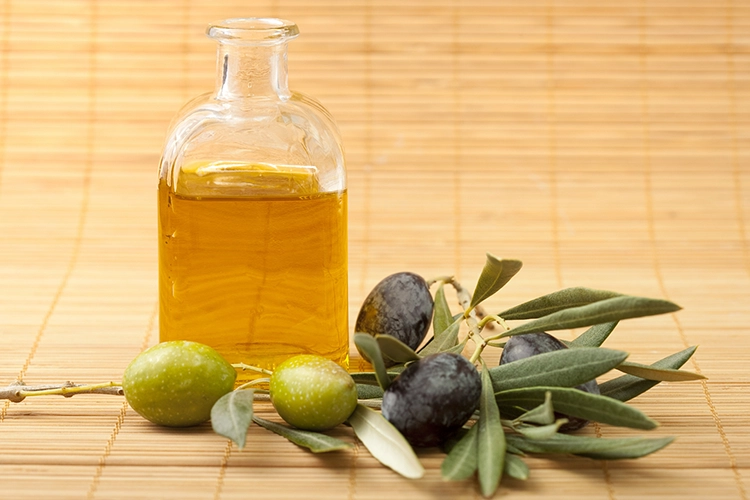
x=605 y=144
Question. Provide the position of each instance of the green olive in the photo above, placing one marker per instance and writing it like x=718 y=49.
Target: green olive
x=176 y=383
x=312 y=392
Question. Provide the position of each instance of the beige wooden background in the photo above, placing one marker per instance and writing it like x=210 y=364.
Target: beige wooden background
x=604 y=143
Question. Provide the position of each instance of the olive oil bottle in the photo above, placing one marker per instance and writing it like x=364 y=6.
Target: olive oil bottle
x=253 y=212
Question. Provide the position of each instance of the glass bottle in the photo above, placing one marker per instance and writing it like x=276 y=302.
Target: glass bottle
x=253 y=212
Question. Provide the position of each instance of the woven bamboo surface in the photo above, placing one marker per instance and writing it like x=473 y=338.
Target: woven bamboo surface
x=604 y=143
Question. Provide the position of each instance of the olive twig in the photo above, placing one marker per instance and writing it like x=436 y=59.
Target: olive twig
x=441 y=279
x=244 y=367
x=473 y=315
x=464 y=297
x=475 y=332
x=17 y=392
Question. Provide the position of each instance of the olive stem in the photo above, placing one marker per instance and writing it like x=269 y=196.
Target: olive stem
x=496 y=344
x=480 y=346
x=497 y=336
x=244 y=367
x=18 y=392
x=477 y=352
x=502 y=322
x=475 y=332
x=252 y=383
x=489 y=319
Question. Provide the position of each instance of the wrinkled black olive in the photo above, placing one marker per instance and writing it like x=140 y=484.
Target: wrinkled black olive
x=433 y=398
x=531 y=344
x=401 y=306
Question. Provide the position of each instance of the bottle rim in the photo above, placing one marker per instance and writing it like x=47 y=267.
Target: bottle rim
x=252 y=31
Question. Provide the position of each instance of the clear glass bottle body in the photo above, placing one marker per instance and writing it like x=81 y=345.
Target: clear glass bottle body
x=253 y=212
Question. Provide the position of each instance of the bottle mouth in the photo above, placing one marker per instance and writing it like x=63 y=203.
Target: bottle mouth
x=253 y=31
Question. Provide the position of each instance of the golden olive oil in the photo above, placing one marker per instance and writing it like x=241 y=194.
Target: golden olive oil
x=260 y=274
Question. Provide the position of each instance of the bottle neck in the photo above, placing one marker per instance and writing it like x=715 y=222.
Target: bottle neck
x=252 y=71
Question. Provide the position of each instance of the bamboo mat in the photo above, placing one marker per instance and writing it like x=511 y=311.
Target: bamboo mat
x=604 y=143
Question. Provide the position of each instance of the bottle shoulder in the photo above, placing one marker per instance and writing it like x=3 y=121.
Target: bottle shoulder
x=316 y=109
x=296 y=130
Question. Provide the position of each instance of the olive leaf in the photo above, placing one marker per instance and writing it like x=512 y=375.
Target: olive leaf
x=370 y=378
x=447 y=445
x=592 y=447
x=231 y=415
x=395 y=350
x=509 y=448
x=544 y=414
x=441 y=316
x=556 y=301
x=458 y=349
x=563 y=368
x=576 y=403
x=659 y=374
x=626 y=387
x=515 y=467
x=594 y=336
x=370 y=347
x=603 y=311
x=540 y=432
x=490 y=439
x=385 y=442
x=494 y=276
x=367 y=391
x=314 y=441
x=444 y=340
x=461 y=461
